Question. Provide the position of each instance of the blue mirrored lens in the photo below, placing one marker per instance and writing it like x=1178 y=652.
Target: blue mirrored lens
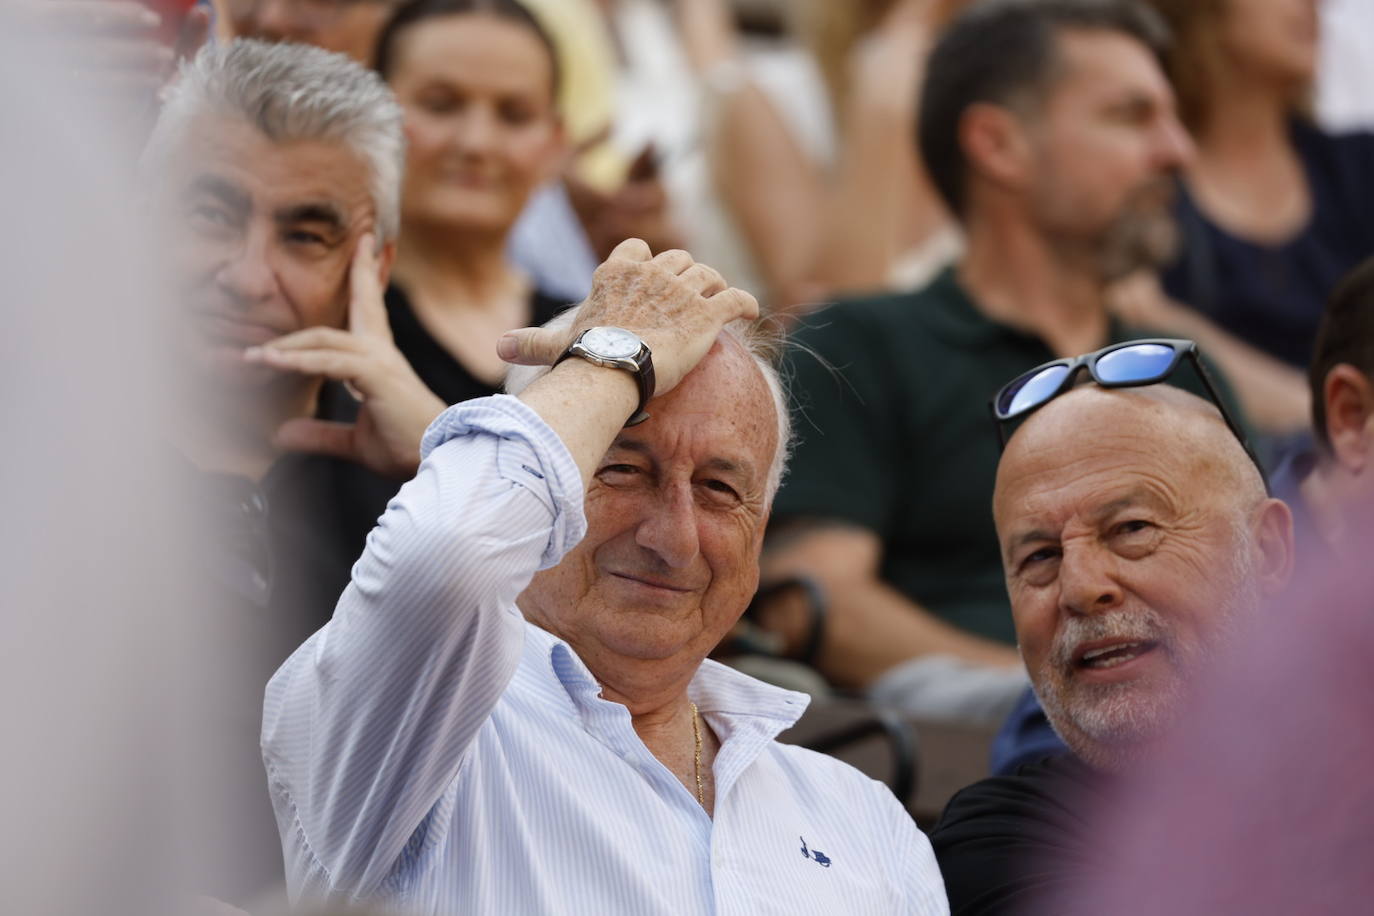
x=1138 y=363
x=1032 y=391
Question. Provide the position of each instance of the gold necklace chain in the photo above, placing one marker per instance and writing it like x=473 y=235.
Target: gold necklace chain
x=696 y=760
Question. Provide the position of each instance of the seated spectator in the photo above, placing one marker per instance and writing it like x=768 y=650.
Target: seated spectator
x=1024 y=130
x=1272 y=209
x=347 y=26
x=273 y=173
x=477 y=80
x=822 y=175
x=1137 y=538
x=1321 y=485
x=1324 y=485
x=511 y=710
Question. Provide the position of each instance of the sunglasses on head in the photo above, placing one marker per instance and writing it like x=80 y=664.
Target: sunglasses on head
x=1122 y=365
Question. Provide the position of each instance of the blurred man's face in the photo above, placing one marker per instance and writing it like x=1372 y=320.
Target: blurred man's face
x=348 y=26
x=259 y=236
x=1107 y=144
x=1128 y=556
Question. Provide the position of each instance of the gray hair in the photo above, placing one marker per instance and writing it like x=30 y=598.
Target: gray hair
x=758 y=340
x=292 y=92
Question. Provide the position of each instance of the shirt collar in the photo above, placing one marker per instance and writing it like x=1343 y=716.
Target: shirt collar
x=715 y=688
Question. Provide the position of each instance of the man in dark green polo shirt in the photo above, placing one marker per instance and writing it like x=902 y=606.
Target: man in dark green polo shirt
x=1049 y=130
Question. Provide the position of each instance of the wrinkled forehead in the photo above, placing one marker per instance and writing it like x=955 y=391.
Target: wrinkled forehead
x=724 y=403
x=1093 y=442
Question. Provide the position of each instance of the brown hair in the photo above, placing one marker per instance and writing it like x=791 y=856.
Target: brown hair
x=1195 y=60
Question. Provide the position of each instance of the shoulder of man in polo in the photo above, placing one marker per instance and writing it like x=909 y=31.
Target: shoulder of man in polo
x=1137 y=538
x=1049 y=129
x=512 y=709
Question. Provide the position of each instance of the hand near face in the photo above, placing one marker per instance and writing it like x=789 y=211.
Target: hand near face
x=675 y=305
x=396 y=406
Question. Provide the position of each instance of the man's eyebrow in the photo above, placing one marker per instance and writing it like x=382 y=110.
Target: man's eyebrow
x=228 y=193
x=1134 y=498
x=729 y=466
x=314 y=212
x=720 y=464
x=630 y=445
x=1030 y=537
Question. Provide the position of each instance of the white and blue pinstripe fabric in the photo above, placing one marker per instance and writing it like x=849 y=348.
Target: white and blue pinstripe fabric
x=431 y=749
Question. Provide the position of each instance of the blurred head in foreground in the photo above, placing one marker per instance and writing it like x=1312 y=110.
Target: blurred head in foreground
x=1136 y=534
x=266 y=167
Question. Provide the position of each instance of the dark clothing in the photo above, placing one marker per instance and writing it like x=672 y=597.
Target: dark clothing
x=896 y=438
x=1009 y=844
x=360 y=496
x=1025 y=737
x=440 y=372
x=266 y=577
x=1272 y=296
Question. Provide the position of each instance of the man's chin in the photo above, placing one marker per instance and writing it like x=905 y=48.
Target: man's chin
x=1107 y=725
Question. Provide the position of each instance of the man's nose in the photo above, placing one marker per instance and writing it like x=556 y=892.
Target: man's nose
x=1088 y=581
x=1175 y=144
x=248 y=273
x=669 y=528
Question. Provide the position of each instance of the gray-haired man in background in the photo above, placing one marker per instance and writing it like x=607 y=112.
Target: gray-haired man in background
x=273 y=177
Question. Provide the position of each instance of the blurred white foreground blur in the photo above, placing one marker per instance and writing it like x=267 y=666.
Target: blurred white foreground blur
x=109 y=795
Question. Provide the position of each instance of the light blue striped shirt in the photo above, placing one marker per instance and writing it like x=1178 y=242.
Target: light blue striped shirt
x=431 y=749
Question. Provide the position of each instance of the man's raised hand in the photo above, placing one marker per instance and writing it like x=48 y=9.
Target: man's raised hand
x=396 y=406
x=676 y=306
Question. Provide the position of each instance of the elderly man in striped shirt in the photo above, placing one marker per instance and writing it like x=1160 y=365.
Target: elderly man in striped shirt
x=512 y=711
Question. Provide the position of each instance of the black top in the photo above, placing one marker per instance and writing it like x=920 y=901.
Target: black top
x=1016 y=844
x=267 y=573
x=359 y=496
x=440 y=372
x=1272 y=296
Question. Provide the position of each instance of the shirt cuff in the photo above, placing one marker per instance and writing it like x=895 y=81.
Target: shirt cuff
x=540 y=462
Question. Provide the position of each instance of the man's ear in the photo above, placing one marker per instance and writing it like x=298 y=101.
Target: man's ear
x=1274 y=537
x=996 y=145
x=1349 y=399
x=385 y=259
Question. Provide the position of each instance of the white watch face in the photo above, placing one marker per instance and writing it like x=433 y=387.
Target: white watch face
x=611 y=343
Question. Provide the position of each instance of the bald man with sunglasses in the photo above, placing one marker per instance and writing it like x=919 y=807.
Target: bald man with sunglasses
x=1137 y=537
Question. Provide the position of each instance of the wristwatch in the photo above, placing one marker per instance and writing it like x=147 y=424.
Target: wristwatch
x=617 y=348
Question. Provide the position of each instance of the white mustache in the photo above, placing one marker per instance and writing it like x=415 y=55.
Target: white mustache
x=1136 y=626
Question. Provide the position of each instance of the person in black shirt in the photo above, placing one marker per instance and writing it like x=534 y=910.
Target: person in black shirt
x=1136 y=537
x=478 y=83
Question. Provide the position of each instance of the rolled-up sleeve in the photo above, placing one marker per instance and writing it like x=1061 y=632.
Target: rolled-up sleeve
x=368 y=722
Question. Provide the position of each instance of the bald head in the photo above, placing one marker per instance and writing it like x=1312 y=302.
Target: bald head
x=1093 y=424
x=1135 y=534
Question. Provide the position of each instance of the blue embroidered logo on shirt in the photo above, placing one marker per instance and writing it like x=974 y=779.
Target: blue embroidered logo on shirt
x=821 y=858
